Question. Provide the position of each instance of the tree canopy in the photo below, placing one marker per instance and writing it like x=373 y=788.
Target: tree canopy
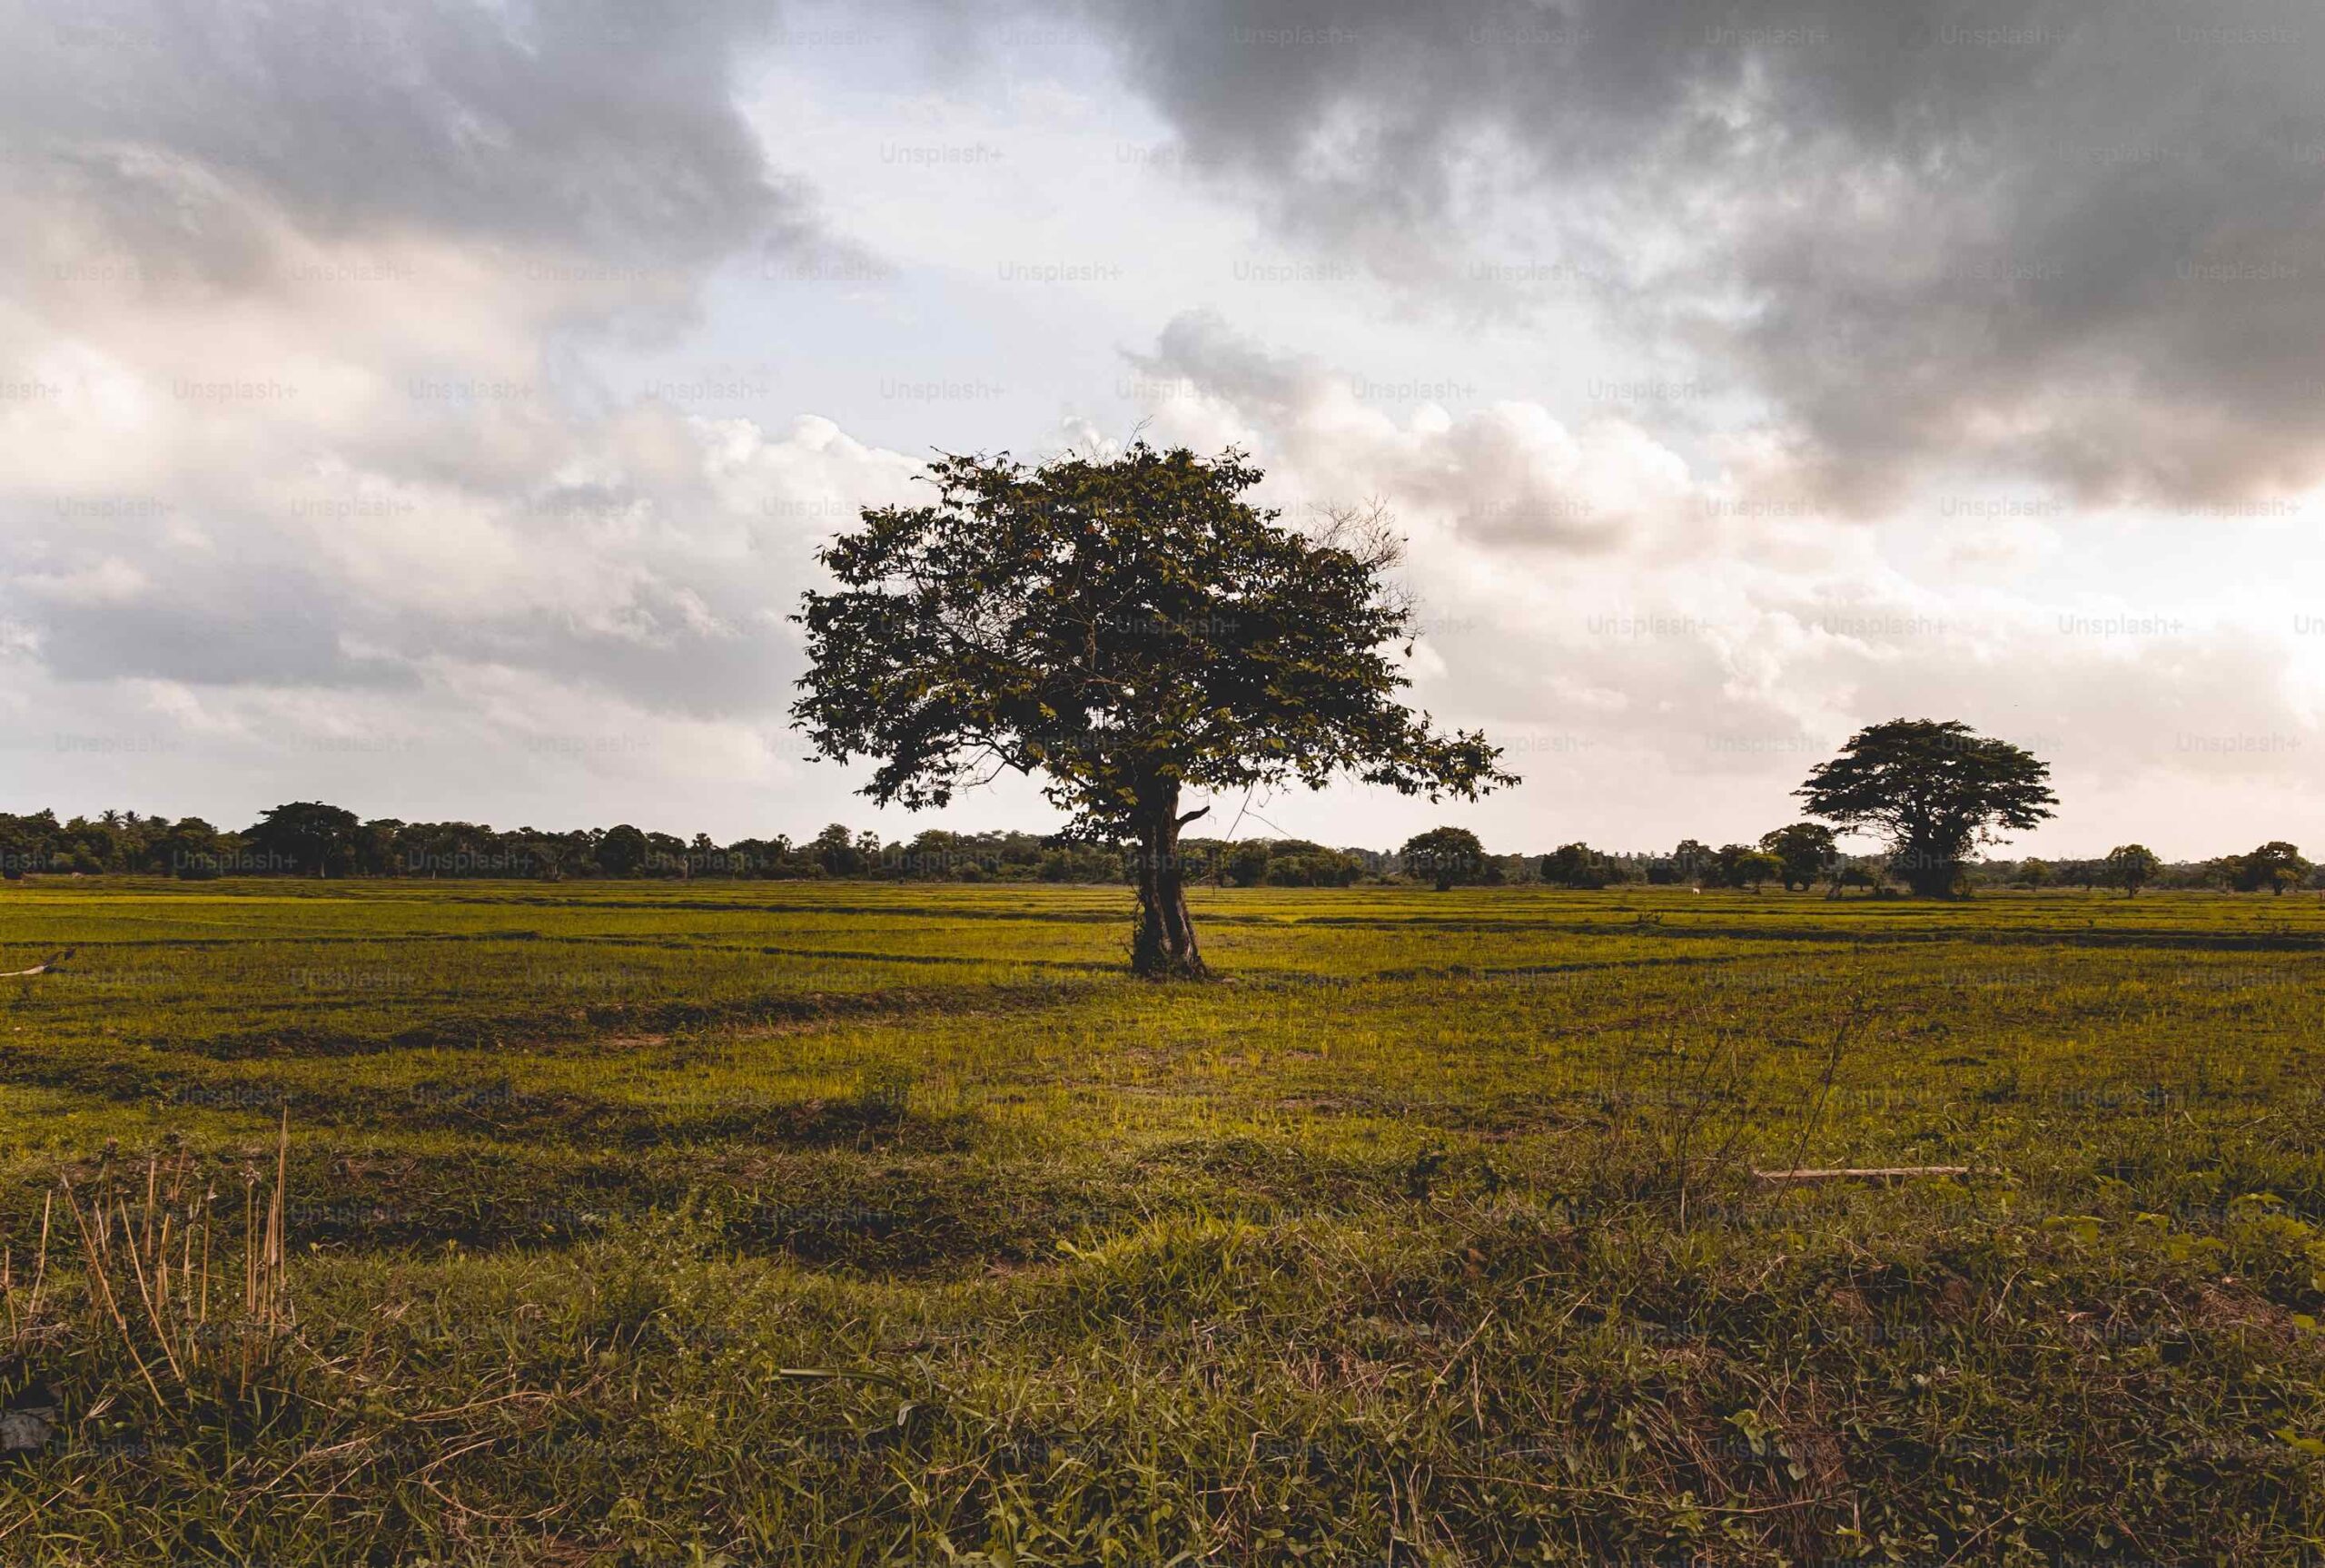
x=2131 y=866
x=2272 y=868
x=1448 y=857
x=1805 y=852
x=1126 y=629
x=1935 y=790
x=307 y=836
x=1575 y=865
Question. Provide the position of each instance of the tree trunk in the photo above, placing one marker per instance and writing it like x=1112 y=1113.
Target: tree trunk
x=1164 y=945
x=1930 y=873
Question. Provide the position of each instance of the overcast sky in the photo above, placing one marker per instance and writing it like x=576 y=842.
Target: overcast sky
x=433 y=408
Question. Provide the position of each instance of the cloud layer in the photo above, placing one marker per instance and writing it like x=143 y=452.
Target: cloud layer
x=2081 y=243
x=307 y=471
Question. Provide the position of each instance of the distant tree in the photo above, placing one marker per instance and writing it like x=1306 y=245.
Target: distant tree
x=89 y=845
x=307 y=836
x=1446 y=856
x=1853 y=875
x=1299 y=862
x=1693 y=860
x=1575 y=865
x=21 y=852
x=2033 y=874
x=834 y=848
x=1805 y=852
x=622 y=850
x=1936 y=790
x=2131 y=866
x=1246 y=864
x=530 y=853
x=1753 y=867
x=191 y=849
x=1129 y=629
x=2085 y=874
x=666 y=854
x=375 y=846
x=2274 y=867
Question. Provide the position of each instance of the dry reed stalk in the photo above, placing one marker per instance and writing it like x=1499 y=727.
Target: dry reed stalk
x=99 y=1255
x=161 y=1272
x=40 y=1272
x=202 y=1313
x=145 y=1292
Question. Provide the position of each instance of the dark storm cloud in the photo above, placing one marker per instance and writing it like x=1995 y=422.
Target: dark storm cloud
x=601 y=127
x=2082 y=239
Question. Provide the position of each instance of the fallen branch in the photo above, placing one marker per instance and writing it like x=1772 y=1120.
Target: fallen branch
x=1881 y=1174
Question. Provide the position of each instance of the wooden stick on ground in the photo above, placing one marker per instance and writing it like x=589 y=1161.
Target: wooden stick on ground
x=1881 y=1174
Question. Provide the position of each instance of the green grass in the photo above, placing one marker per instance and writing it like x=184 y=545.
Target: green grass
x=646 y=1223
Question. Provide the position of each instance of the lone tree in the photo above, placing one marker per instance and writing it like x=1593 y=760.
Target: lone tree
x=2274 y=866
x=2131 y=866
x=1129 y=629
x=1447 y=857
x=1935 y=790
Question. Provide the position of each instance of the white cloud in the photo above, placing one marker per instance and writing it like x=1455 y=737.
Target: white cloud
x=1678 y=645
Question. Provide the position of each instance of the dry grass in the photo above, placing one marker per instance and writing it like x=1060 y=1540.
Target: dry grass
x=641 y=1226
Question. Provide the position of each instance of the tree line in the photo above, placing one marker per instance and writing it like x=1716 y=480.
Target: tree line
x=312 y=839
x=1804 y=856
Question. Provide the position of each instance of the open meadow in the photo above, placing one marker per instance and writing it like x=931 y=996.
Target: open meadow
x=656 y=1222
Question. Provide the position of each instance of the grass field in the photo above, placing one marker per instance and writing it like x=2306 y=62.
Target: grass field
x=856 y=1223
